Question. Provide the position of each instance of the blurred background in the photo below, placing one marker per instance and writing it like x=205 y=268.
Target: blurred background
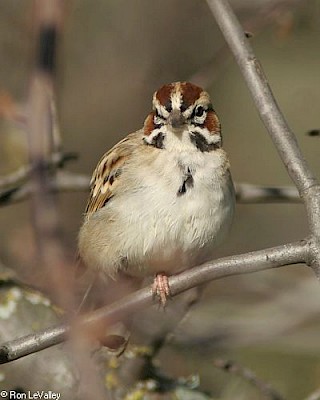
x=112 y=56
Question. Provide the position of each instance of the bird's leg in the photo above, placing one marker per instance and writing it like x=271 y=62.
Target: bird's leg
x=161 y=287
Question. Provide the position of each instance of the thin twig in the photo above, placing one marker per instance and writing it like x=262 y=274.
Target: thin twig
x=15 y=177
x=292 y=253
x=64 y=182
x=22 y=174
x=247 y=193
x=249 y=376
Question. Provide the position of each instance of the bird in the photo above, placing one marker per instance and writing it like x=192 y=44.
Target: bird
x=162 y=198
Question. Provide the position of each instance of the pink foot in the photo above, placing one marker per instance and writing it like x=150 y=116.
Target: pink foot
x=161 y=288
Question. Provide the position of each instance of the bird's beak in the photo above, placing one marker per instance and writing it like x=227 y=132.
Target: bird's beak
x=176 y=119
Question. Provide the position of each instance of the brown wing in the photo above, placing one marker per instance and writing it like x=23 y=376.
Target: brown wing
x=108 y=171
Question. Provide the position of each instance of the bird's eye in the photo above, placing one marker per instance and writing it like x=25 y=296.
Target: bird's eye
x=199 y=111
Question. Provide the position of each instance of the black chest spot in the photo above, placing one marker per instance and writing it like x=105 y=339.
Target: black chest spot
x=187 y=182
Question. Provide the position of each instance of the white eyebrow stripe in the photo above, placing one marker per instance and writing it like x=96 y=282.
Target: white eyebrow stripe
x=161 y=109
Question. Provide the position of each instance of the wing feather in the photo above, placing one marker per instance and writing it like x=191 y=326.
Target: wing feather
x=108 y=171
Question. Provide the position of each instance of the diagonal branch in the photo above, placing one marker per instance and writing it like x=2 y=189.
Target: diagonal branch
x=277 y=127
x=292 y=253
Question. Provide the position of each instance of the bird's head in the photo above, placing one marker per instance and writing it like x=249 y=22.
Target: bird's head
x=183 y=107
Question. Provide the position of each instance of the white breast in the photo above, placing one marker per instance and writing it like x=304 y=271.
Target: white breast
x=150 y=227
x=166 y=230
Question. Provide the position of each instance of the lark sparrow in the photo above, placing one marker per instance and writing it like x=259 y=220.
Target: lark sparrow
x=162 y=198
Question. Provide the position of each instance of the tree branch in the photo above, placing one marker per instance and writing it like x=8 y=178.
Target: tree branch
x=275 y=123
x=263 y=98
x=292 y=253
x=44 y=147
